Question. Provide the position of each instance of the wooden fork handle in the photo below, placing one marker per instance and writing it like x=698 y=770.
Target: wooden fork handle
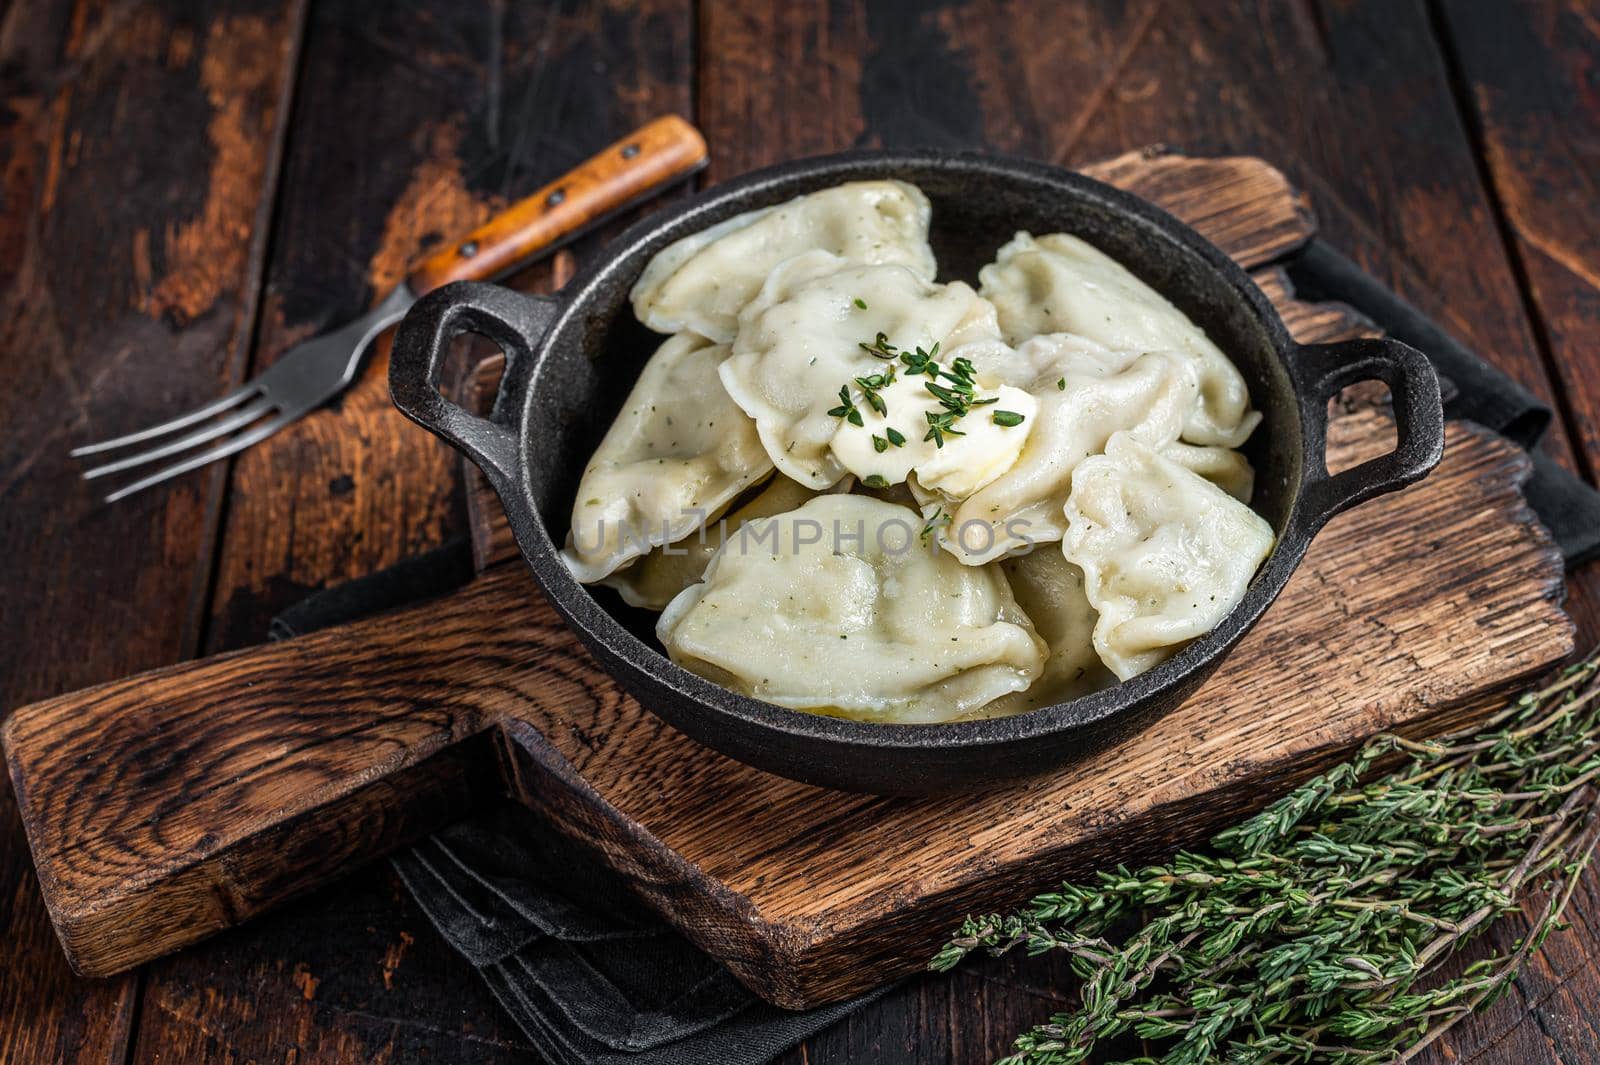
x=652 y=156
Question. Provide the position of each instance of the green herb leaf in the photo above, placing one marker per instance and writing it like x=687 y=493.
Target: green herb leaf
x=1317 y=929
x=880 y=347
x=1007 y=418
x=953 y=401
x=941 y=426
x=846 y=408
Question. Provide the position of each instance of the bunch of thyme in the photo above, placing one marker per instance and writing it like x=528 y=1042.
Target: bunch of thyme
x=1314 y=931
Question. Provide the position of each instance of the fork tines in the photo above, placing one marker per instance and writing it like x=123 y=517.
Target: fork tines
x=231 y=414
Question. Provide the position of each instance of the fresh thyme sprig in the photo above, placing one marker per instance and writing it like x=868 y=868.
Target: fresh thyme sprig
x=847 y=408
x=871 y=384
x=956 y=398
x=1314 y=930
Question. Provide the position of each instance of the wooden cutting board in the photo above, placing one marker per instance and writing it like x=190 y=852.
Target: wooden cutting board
x=170 y=805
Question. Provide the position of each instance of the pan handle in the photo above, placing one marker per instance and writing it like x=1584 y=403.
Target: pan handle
x=1320 y=371
x=515 y=322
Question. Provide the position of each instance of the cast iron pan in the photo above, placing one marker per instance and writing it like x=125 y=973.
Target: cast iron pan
x=571 y=359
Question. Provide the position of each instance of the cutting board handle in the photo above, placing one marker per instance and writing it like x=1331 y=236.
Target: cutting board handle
x=168 y=806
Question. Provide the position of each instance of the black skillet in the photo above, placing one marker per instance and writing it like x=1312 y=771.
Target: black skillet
x=571 y=359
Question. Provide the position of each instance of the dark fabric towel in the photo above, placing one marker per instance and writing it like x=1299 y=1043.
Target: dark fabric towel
x=590 y=974
x=587 y=971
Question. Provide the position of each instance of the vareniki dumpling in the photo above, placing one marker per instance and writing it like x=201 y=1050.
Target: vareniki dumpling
x=837 y=608
x=1222 y=466
x=1049 y=589
x=801 y=341
x=1083 y=400
x=680 y=451
x=854 y=490
x=653 y=580
x=703 y=281
x=1165 y=553
x=1060 y=283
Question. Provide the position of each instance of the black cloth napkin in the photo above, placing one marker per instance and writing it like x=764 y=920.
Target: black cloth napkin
x=586 y=970
x=595 y=978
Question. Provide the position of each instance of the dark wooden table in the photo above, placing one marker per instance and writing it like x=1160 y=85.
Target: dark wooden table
x=187 y=188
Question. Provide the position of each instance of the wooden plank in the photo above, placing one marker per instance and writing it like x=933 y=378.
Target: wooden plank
x=1529 y=67
x=1525 y=77
x=229 y=784
x=411 y=125
x=1352 y=99
x=412 y=121
x=136 y=168
x=1242 y=204
x=370 y=751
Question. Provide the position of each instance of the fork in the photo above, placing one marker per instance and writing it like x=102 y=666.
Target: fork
x=313 y=372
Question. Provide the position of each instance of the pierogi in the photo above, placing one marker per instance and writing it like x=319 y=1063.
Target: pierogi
x=1063 y=284
x=832 y=607
x=1165 y=553
x=679 y=452
x=703 y=281
x=853 y=488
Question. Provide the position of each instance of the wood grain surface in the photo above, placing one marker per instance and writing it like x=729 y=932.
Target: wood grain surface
x=139 y=151
x=646 y=161
x=416 y=118
x=335 y=747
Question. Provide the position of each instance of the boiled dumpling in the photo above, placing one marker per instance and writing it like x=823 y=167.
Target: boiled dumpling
x=652 y=581
x=680 y=451
x=837 y=608
x=803 y=340
x=1049 y=589
x=1223 y=467
x=1059 y=283
x=1165 y=554
x=703 y=281
x=1080 y=404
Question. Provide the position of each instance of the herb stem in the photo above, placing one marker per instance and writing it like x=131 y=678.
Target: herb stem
x=1316 y=929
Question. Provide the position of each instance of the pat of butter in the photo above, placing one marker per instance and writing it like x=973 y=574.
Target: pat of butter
x=963 y=465
x=988 y=449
